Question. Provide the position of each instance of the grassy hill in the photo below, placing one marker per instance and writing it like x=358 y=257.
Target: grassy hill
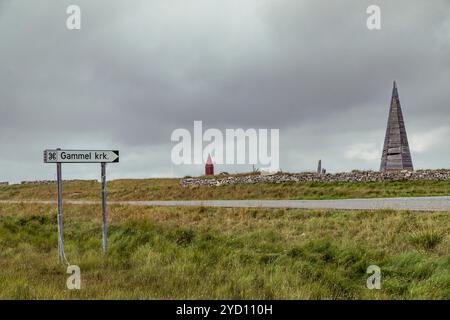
x=219 y=253
x=201 y=253
x=170 y=189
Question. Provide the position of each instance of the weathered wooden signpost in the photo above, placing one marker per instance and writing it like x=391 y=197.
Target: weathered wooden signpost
x=59 y=156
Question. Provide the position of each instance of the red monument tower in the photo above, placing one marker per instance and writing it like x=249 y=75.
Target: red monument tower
x=209 y=167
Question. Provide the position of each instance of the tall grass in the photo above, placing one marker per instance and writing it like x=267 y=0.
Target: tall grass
x=170 y=189
x=217 y=253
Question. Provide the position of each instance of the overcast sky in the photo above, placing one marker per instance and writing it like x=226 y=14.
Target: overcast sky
x=139 y=69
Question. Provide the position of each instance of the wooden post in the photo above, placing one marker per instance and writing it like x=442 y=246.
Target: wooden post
x=104 y=222
x=60 y=213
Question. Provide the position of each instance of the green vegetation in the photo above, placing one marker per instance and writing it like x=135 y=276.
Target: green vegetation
x=201 y=253
x=427 y=239
x=170 y=189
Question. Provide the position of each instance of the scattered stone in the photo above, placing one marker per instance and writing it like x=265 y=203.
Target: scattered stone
x=51 y=181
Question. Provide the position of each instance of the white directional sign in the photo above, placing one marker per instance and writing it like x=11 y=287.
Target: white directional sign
x=81 y=156
x=59 y=157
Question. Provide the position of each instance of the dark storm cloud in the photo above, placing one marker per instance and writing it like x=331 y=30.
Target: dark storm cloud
x=139 y=69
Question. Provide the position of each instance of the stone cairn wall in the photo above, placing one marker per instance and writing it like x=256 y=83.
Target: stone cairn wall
x=354 y=176
x=53 y=181
x=38 y=182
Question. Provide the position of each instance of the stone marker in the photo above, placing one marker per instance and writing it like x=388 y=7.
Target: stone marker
x=396 y=154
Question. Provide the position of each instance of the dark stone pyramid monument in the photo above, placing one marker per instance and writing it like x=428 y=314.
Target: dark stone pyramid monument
x=396 y=155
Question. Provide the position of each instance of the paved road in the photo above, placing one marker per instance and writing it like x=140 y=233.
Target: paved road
x=414 y=204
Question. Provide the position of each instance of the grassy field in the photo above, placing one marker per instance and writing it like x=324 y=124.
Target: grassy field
x=217 y=253
x=170 y=189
